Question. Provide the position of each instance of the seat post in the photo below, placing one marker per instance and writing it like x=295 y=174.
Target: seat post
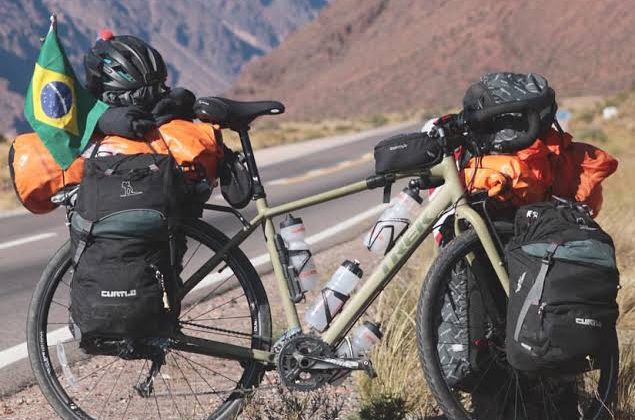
x=259 y=191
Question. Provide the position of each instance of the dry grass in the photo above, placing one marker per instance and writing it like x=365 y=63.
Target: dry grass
x=626 y=386
x=400 y=386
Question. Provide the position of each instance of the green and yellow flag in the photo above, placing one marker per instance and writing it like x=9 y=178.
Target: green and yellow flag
x=57 y=107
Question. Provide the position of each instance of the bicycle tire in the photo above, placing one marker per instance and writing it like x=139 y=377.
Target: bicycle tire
x=433 y=288
x=248 y=279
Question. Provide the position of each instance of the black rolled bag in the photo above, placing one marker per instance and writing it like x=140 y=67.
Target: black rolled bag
x=406 y=152
x=563 y=288
x=124 y=232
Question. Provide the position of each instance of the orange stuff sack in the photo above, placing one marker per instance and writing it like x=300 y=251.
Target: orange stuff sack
x=35 y=174
x=194 y=146
x=554 y=165
x=579 y=173
x=507 y=178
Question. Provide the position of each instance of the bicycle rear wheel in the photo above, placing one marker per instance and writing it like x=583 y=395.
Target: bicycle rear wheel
x=234 y=309
x=500 y=391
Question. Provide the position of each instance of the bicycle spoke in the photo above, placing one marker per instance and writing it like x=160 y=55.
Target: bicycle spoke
x=167 y=386
x=232 y=300
x=206 y=297
x=209 y=369
x=111 y=391
x=123 y=417
x=199 y=374
x=60 y=304
x=156 y=402
x=192 y=256
x=188 y=385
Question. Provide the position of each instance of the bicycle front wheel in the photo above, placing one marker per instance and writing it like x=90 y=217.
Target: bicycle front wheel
x=234 y=310
x=496 y=390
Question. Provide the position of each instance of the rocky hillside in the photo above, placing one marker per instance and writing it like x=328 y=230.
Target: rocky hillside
x=205 y=42
x=392 y=55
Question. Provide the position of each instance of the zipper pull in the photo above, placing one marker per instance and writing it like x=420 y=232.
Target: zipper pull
x=541 y=309
x=159 y=276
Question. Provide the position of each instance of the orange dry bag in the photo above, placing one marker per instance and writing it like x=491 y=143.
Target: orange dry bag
x=194 y=146
x=35 y=174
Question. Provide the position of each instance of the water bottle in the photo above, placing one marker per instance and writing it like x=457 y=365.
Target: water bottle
x=334 y=294
x=394 y=221
x=293 y=233
x=361 y=341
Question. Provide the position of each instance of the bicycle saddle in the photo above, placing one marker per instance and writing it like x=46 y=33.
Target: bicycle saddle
x=235 y=115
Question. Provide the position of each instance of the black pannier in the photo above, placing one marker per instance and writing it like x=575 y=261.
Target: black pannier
x=563 y=288
x=406 y=152
x=508 y=111
x=123 y=231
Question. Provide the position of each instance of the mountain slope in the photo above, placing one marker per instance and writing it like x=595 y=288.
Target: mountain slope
x=381 y=56
x=204 y=42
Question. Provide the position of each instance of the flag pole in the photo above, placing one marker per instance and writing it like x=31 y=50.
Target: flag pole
x=53 y=20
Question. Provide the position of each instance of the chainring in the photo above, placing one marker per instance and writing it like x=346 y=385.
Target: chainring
x=296 y=371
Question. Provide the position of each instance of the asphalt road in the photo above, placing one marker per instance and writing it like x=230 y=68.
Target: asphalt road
x=291 y=172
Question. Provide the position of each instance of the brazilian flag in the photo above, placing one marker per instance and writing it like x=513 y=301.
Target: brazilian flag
x=57 y=107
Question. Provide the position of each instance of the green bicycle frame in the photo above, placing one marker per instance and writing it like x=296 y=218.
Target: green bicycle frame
x=451 y=194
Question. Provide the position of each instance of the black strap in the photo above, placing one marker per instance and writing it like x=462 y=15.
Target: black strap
x=95 y=149
x=85 y=229
x=387 y=191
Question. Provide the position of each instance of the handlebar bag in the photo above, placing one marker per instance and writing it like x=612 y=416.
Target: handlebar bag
x=406 y=152
x=125 y=255
x=564 y=280
x=502 y=131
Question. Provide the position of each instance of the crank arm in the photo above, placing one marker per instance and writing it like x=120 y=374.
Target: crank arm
x=349 y=364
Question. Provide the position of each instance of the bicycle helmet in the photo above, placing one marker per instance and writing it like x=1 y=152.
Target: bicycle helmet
x=124 y=70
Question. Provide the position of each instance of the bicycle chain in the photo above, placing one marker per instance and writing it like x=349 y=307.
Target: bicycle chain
x=207 y=327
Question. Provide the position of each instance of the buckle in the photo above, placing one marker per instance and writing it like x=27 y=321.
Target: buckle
x=551 y=250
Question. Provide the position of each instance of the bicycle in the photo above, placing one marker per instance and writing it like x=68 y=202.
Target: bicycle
x=195 y=373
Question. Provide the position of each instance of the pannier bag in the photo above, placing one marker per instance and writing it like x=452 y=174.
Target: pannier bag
x=461 y=330
x=563 y=287
x=124 y=281
x=406 y=152
x=501 y=108
x=36 y=176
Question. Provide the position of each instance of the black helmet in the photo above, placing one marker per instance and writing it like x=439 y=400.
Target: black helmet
x=124 y=70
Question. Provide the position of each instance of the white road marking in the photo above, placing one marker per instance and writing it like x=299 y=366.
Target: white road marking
x=19 y=352
x=27 y=240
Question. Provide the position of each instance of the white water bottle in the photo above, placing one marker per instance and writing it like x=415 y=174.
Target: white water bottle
x=293 y=232
x=361 y=341
x=334 y=294
x=393 y=221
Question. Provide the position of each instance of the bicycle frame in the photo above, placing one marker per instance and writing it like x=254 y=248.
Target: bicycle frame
x=451 y=194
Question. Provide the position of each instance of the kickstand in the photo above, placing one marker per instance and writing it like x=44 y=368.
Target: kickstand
x=145 y=388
